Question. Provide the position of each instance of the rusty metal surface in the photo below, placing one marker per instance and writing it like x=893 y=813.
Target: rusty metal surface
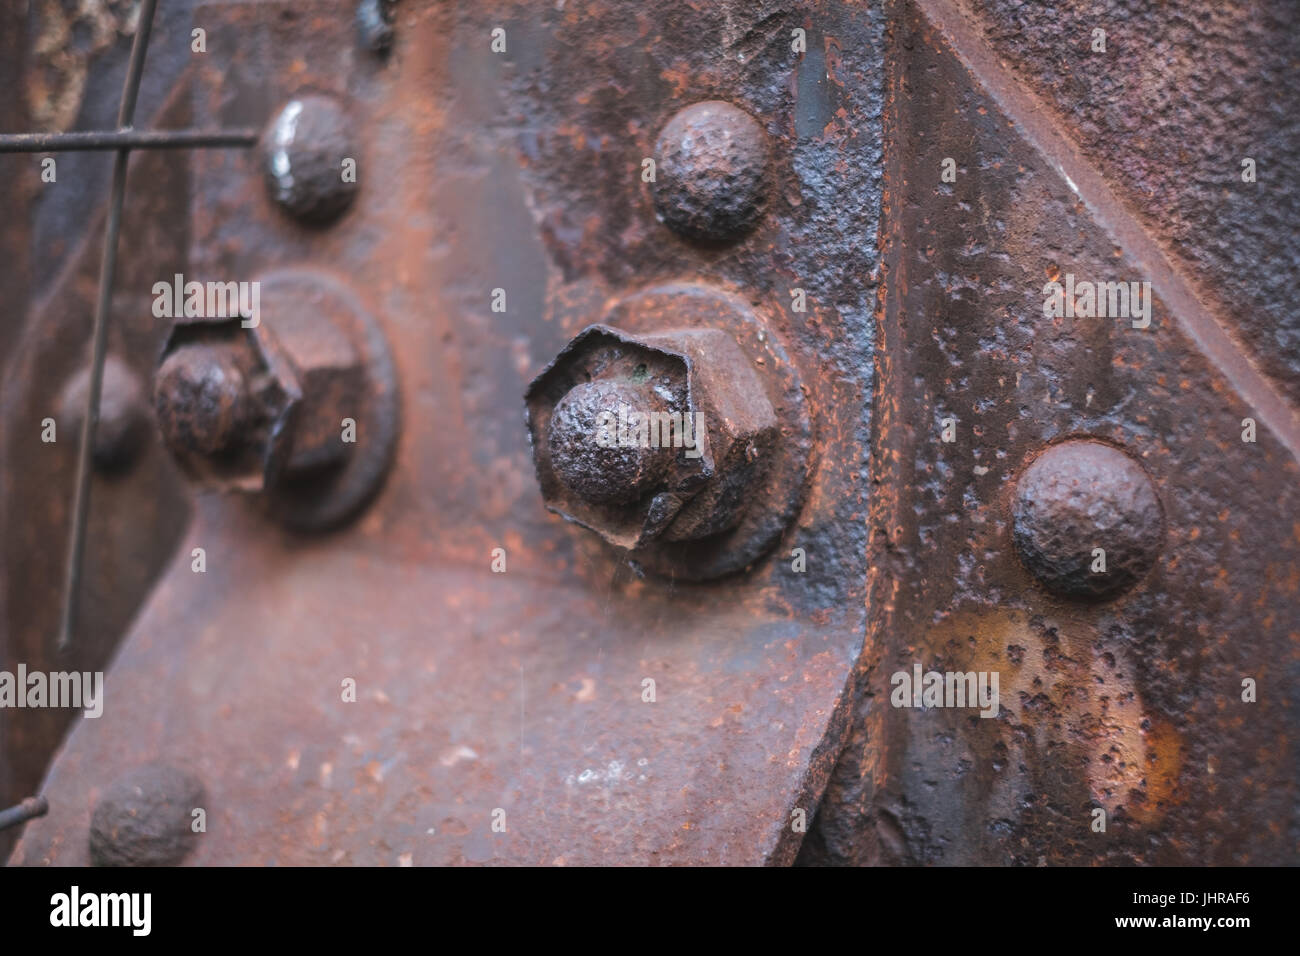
x=520 y=690
x=138 y=507
x=1131 y=705
x=946 y=457
x=1183 y=94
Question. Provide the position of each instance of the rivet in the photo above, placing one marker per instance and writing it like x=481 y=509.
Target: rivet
x=144 y=818
x=711 y=181
x=1087 y=520
x=123 y=419
x=304 y=148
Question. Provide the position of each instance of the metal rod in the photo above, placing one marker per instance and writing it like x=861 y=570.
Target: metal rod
x=99 y=340
x=29 y=809
x=125 y=139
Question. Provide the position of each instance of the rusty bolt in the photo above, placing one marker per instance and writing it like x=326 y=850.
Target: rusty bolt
x=1079 y=496
x=123 y=422
x=605 y=472
x=668 y=442
x=202 y=399
x=711 y=183
x=649 y=471
x=302 y=405
x=224 y=401
x=144 y=818
x=305 y=147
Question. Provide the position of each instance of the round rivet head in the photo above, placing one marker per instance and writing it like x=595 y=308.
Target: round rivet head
x=1087 y=520
x=587 y=452
x=123 y=426
x=305 y=149
x=144 y=818
x=711 y=181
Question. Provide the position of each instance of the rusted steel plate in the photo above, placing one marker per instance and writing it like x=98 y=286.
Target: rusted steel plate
x=469 y=700
x=1132 y=704
x=1179 y=98
x=523 y=690
x=138 y=506
x=1005 y=444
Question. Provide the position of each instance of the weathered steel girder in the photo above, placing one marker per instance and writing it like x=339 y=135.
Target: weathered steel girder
x=394 y=654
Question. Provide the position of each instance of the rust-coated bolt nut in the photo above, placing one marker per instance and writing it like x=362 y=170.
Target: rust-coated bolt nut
x=712 y=176
x=305 y=149
x=686 y=429
x=668 y=442
x=604 y=472
x=123 y=425
x=301 y=405
x=202 y=399
x=1087 y=520
x=224 y=403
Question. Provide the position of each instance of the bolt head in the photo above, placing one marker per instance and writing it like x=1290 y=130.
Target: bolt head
x=225 y=398
x=589 y=454
x=634 y=495
x=712 y=175
x=597 y=371
x=1078 y=496
x=315 y=331
x=200 y=395
x=716 y=507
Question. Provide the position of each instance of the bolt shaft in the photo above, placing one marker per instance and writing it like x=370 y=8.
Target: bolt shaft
x=29 y=809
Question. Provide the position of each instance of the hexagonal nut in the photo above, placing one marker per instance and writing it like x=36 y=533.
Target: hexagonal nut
x=224 y=397
x=650 y=437
x=312 y=331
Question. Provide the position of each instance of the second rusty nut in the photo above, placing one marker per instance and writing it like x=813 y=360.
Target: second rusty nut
x=299 y=404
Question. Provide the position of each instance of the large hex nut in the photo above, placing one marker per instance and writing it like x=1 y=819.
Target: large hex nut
x=657 y=391
x=300 y=404
x=667 y=442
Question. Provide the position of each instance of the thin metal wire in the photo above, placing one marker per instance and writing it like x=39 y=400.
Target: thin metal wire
x=99 y=342
x=124 y=139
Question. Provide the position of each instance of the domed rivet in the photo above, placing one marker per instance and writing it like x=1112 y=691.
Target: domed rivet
x=711 y=182
x=1087 y=520
x=143 y=818
x=305 y=148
